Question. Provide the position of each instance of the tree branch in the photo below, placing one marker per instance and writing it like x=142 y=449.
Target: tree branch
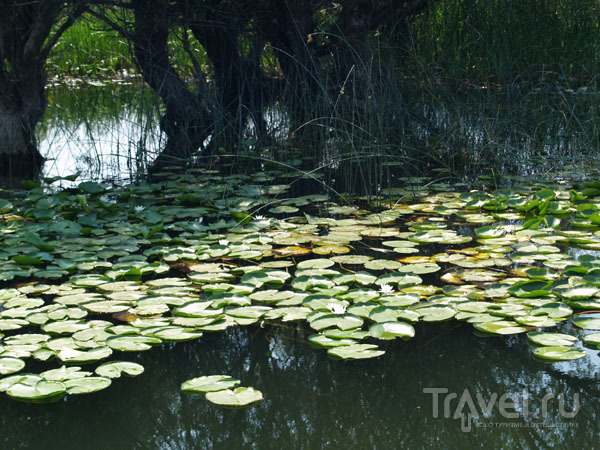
x=65 y=25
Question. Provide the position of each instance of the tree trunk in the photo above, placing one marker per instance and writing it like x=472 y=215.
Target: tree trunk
x=28 y=31
x=19 y=114
x=289 y=30
x=186 y=121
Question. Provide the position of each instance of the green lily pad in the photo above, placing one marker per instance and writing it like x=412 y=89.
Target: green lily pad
x=209 y=383
x=176 y=334
x=536 y=321
x=436 y=313
x=307 y=283
x=500 y=327
x=554 y=310
x=241 y=396
x=383 y=264
x=248 y=312
x=74 y=356
x=355 y=351
x=316 y=263
x=87 y=385
x=592 y=340
x=10 y=365
x=129 y=343
x=530 y=289
x=351 y=259
x=587 y=323
x=336 y=333
x=392 y=330
x=288 y=314
x=341 y=321
x=421 y=268
x=35 y=389
x=64 y=373
x=12 y=324
x=114 y=369
x=323 y=341
x=64 y=326
x=551 y=339
x=558 y=353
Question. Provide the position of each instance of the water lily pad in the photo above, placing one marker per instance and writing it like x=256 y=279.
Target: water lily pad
x=341 y=321
x=176 y=334
x=240 y=396
x=551 y=339
x=317 y=263
x=336 y=333
x=528 y=289
x=129 y=343
x=558 y=353
x=420 y=268
x=306 y=283
x=74 y=356
x=587 y=322
x=64 y=326
x=355 y=351
x=288 y=314
x=87 y=385
x=436 y=313
x=12 y=324
x=351 y=259
x=383 y=264
x=536 y=321
x=35 y=389
x=398 y=279
x=323 y=341
x=10 y=365
x=592 y=340
x=392 y=330
x=248 y=312
x=500 y=327
x=199 y=309
x=330 y=249
x=107 y=306
x=64 y=373
x=554 y=310
x=209 y=383
x=114 y=369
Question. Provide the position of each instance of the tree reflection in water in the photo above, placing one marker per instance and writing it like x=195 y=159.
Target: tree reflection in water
x=312 y=401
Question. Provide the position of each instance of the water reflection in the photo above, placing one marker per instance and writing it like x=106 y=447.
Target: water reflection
x=107 y=132
x=314 y=402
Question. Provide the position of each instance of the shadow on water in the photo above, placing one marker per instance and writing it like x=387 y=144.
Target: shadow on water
x=312 y=401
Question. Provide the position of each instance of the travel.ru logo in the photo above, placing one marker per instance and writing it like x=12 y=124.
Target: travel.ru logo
x=467 y=407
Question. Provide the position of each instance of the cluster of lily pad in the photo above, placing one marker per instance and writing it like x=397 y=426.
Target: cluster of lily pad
x=221 y=390
x=92 y=270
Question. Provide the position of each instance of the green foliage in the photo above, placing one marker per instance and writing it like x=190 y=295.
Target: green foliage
x=507 y=41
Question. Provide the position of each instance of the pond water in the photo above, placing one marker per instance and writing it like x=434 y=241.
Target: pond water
x=84 y=268
x=314 y=402
x=106 y=131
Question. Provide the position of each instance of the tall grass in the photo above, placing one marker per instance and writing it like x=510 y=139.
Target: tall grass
x=477 y=84
x=505 y=41
x=90 y=50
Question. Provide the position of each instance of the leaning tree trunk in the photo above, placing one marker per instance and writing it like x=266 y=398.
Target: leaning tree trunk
x=186 y=121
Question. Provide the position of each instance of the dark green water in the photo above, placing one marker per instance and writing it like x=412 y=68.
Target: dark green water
x=314 y=402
